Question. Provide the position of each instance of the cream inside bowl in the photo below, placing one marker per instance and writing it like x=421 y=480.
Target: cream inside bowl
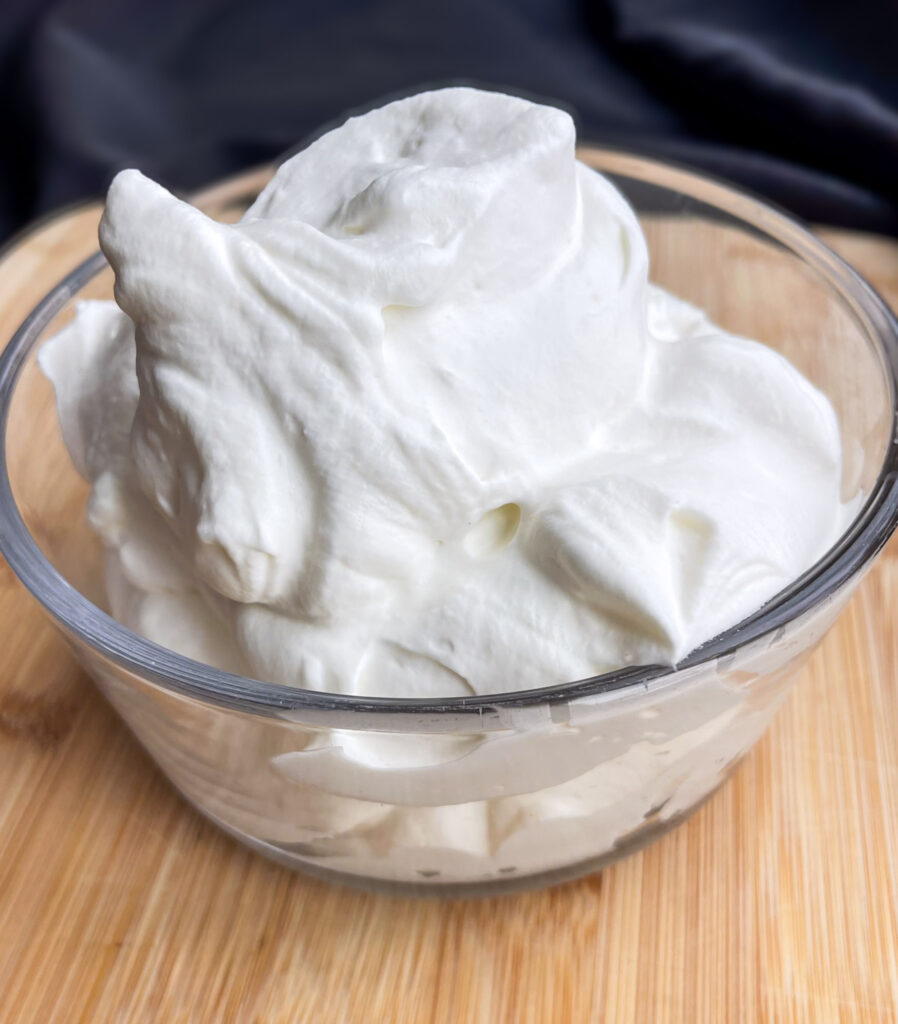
x=497 y=771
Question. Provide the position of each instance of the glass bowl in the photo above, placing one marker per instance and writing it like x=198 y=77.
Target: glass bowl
x=504 y=791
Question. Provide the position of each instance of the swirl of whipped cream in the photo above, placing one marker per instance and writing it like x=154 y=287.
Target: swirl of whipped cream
x=418 y=424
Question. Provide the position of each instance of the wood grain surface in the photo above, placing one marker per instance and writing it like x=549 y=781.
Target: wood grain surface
x=777 y=901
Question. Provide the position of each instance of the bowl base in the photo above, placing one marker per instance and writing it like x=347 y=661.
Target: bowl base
x=490 y=885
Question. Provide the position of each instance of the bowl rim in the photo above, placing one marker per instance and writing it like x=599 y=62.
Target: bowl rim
x=81 y=620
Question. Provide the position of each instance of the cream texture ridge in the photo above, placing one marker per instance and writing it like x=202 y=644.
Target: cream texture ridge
x=418 y=424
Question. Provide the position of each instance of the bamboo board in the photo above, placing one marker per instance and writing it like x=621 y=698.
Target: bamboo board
x=777 y=901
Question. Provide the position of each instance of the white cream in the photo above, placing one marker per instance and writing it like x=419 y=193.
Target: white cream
x=418 y=425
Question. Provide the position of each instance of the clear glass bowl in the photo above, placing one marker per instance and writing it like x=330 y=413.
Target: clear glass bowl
x=523 y=788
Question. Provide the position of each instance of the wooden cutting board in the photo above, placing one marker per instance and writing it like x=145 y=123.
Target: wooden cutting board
x=777 y=901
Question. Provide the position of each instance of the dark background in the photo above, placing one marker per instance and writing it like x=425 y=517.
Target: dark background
x=797 y=99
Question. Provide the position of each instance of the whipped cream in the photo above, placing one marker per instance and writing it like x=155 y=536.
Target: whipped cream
x=419 y=426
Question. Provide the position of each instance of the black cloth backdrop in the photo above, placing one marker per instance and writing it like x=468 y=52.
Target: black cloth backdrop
x=796 y=99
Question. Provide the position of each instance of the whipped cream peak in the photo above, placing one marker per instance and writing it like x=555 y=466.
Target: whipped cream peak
x=419 y=424
x=438 y=182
